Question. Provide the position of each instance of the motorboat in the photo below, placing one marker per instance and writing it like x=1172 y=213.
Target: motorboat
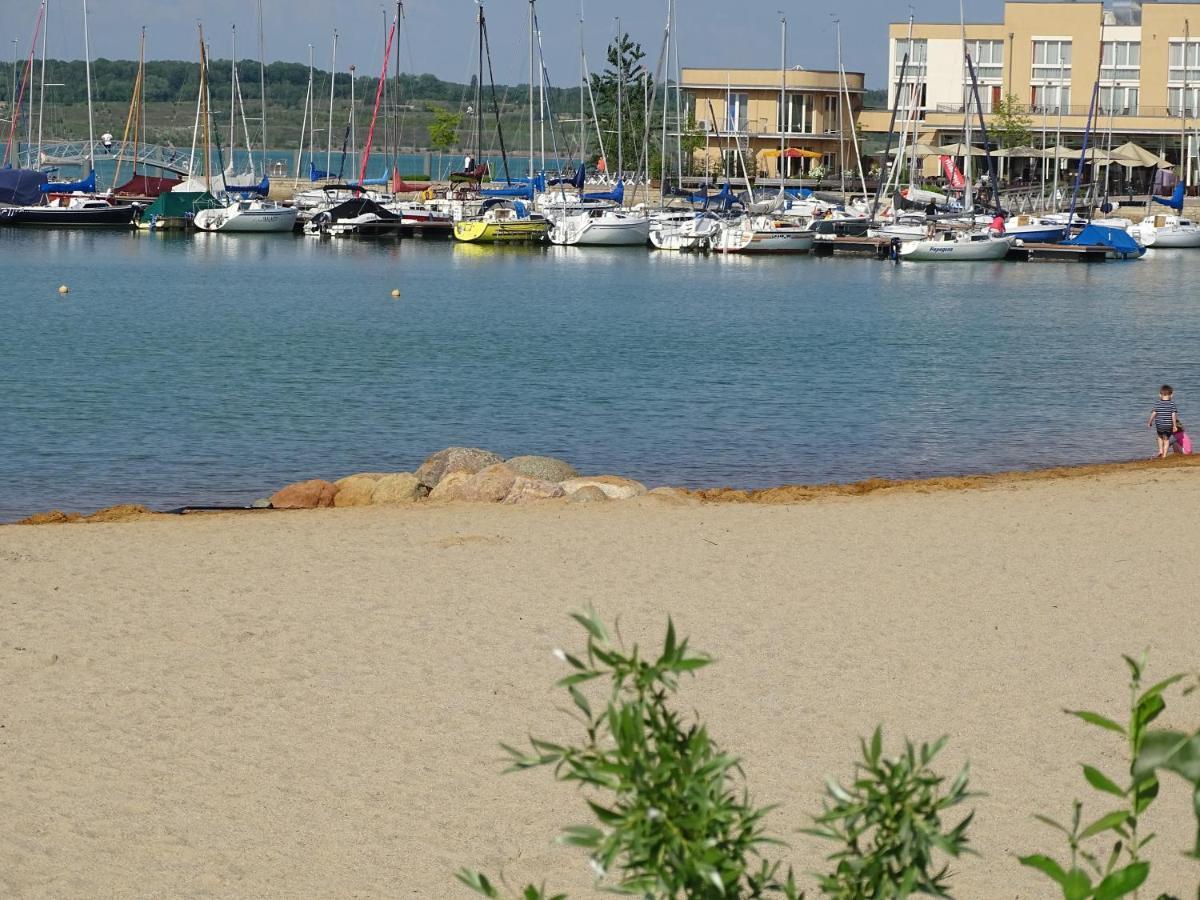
x=762 y=234
x=1167 y=232
x=611 y=227
x=684 y=232
x=72 y=211
x=502 y=222
x=248 y=216
x=1036 y=229
x=360 y=217
x=963 y=246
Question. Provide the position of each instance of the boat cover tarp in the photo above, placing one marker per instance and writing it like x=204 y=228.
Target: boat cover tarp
x=176 y=204
x=1175 y=201
x=1102 y=235
x=723 y=199
x=21 y=187
x=248 y=190
x=576 y=181
x=146 y=186
x=87 y=185
x=616 y=195
x=358 y=206
x=383 y=179
x=524 y=191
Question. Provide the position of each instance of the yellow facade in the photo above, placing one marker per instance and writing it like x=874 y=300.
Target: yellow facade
x=1134 y=99
x=738 y=112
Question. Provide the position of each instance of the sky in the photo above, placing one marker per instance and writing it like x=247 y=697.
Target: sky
x=439 y=35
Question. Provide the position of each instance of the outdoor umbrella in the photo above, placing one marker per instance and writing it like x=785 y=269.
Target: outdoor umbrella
x=1130 y=154
x=792 y=153
x=959 y=149
x=1021 y=153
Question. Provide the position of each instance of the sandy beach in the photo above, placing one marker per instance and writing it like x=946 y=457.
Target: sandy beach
x=308 y=704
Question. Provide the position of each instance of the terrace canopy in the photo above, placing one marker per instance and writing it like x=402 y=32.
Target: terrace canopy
x=1020 y=153
x=792 y=153
x=918 y=150
x=1130 y=154
x=959 y=149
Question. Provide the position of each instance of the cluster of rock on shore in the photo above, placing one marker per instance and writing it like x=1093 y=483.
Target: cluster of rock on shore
x=471 y=474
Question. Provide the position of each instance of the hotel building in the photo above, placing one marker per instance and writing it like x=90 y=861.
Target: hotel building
x=739 y=113
x=1049 y=55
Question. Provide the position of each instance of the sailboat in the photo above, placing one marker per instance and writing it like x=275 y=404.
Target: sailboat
x=502 y=219
x=73 y=205
x=759 y=229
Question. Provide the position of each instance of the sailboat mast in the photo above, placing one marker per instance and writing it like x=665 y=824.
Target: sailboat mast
x=233 y=92
x=332 y=85
x=582 y=86
x=479 y=95
x=399 y=93
x=529 y=172
x=204 y=111
x=1058 y=131
x=139 y=93
x=968 y=193
x=662 y=175
x=541 y=93
x=841 y=113
x=42 y=92
x=1183 y=109
x=262 y=84
x=620 y=92
x=87 y=68
x=782 y=95
x=306 y=127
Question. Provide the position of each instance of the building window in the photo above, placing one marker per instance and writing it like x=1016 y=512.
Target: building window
x=1051 y=98
x=988 y=57
x=737 y=114
x=918 y=56
x=1121 y=61
x=1051 y=60
x=989 y=98
x=1118 y=100
x=797 y=115
x=1175 y=100
x=831 y=115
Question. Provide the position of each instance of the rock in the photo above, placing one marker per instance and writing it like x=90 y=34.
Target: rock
x=589 y=493
x=122 y=512
x=455 y=459
x=451 y=487
x=54 y=517
x=261 y=503
x=546 y=468
x=615 y=487
x=530 y=490
x=403 y=487
x=305 y=495
x=673 y=497
x=490 y=485
x=354 y=490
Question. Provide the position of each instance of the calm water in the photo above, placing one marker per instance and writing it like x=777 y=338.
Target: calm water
x=214 y=369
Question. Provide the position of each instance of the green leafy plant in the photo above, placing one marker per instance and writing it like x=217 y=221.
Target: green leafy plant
x=1124 y=822
x=1178 y=752
x=888 y=821
x=672 y=817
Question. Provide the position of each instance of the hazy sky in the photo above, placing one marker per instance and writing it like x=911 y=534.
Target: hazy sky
x=439 y=36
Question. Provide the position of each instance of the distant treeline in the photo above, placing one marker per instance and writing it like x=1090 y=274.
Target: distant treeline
x=176 y=81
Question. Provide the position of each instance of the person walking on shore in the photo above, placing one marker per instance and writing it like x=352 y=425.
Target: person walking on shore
x=1164 y=419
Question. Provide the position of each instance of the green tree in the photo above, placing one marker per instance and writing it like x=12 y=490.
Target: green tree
x=443 y=130
x=1011 y=124
x=626 y=71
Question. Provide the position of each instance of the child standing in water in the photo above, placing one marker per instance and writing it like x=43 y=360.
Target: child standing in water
x=1164 y=419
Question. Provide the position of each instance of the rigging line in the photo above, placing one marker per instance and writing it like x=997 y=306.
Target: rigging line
x=495 y=108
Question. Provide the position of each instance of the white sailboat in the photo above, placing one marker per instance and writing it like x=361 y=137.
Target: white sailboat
x=957 y=247
x=248 y=216
x=683 y=232
x=1167 y=232
x=612 y=227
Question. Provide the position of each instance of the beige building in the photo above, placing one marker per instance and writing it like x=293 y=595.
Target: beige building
x=1049 y=55
x=740 y=114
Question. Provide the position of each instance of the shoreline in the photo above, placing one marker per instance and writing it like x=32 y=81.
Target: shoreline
x=778 y=494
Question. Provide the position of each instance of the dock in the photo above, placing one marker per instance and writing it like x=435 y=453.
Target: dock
x=879 y=247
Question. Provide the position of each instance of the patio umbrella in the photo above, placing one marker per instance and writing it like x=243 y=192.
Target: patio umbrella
x=920 y=150
x=1094 y=154
x=1130 y=154
x=792 y=153
x=959 y=149
x=1021 y=153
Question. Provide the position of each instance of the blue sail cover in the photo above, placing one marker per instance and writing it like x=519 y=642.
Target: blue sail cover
x=722 y=200
x=1175 y=201
x=382 y=179
x=21 y=187
x=616 y=195
x=576 y=181
x=248 y=190
x=1101 y=235
x=315 y=174
x=524 y=191
x=88 y=185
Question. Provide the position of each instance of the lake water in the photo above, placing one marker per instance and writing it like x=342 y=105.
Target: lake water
x=216 y=368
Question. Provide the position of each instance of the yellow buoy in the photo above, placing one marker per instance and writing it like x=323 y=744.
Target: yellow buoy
x=63 y=289
x=395 y=292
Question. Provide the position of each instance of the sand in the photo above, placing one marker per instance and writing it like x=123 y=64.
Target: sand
x=308 y=704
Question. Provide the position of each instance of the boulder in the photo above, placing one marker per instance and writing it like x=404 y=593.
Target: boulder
x=403 y=487
x=673 y=497
x=615 y=487
x=305 y=495
x=530 y=490
x=455 y=459
x=451 y=487
x=545 y=468
x=490 y=485
x=589 y=493
x=355 y=490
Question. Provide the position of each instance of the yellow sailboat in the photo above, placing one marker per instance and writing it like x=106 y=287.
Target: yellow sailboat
x=501 y=224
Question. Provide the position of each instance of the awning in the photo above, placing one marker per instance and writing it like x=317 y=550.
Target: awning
x=792 y=153
x=1130 y=154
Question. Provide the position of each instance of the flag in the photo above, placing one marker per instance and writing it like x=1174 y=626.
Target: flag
x=953 y=176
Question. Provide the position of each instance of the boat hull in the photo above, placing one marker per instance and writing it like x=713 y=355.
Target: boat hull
x=255 y=221
x=778 y=240
x=1167 y=239
x=500 y=232
x=122 y=216
x=956 y=251
x=598 y=233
